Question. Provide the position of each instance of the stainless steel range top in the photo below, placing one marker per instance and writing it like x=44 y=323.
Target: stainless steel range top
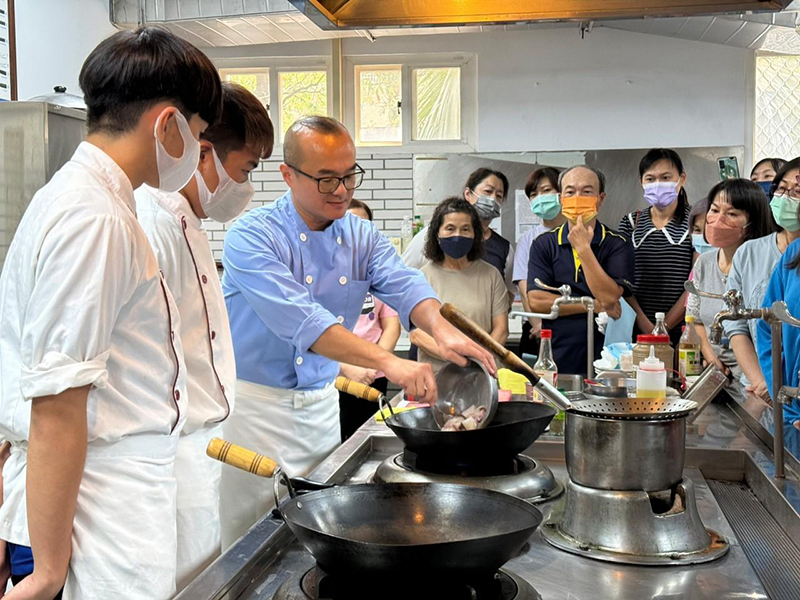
x=268 y=557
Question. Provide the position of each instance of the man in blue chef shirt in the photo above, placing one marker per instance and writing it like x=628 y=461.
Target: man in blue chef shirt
x=296 y=274
x=585 y=254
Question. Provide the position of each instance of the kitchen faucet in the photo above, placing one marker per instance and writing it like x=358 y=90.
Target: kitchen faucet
x=775 y=316
x=566 y=298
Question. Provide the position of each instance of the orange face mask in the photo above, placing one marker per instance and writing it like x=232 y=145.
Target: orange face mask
x=579 y=206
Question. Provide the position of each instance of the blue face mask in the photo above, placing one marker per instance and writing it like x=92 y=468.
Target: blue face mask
x=700 y=245
x=765 y=185
x=456 y=246
x=546 y=206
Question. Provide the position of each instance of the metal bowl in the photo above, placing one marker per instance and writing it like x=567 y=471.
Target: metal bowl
x=462 y=387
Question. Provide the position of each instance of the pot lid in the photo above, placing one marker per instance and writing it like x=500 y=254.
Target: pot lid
x=61 y=97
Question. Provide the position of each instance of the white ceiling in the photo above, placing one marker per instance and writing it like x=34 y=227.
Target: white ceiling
x=220 y=23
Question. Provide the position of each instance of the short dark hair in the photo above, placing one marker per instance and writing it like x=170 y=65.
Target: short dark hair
x=698 y=208
x=244 y=123
x=746 y=196
x=775 y=163
x=454 y=204
x=478 y=175
x=601 y=178
x=131 y=71
x=657 y=154
x=549 y=173
x=292 y=152
x=362 y=205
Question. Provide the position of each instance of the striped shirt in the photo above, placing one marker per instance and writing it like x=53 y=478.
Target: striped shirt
x=663 y=259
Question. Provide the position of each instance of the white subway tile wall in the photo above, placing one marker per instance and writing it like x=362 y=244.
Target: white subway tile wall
x=387 y=189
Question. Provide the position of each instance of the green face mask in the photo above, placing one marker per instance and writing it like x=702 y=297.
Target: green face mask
x=784 y=209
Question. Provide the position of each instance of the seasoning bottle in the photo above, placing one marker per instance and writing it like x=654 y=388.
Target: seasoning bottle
x=689 y=356
x=545 y=366
x=661 y=326
x=651 y=377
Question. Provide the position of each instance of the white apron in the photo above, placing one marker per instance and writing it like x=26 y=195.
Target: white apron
x=295 y=429
x=123 y=539
x=198 y=479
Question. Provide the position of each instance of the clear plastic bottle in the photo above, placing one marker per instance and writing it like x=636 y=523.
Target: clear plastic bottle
x=661 y=326
x=406 y=229
x=690 y=363
x=545 y=366
x=651 y=377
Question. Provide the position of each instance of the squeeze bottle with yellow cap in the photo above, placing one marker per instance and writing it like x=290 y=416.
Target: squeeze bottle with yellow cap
x=651 y=377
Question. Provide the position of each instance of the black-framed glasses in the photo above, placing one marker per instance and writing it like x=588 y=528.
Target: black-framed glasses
x=328 y=185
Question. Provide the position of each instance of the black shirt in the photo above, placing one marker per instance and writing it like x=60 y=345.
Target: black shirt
x=553 y=261
x=663 y=259
x=495 y=252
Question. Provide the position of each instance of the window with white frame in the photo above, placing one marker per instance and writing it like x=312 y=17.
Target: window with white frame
x=302 y=94
x=290 y=88
x=422 y=103
x=255 y=80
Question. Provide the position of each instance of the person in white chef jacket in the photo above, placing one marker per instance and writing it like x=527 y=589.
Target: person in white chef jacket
x=92 y=381
x=296 y=275
x=220 y=190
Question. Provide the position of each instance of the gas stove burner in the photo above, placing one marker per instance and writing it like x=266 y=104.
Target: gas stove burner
x=634 y=527
x=316 y=584
x=520 y=476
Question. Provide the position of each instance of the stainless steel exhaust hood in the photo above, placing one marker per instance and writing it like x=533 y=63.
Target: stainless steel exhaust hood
x=371 y=14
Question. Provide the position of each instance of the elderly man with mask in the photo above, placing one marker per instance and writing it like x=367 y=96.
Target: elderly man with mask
x=584 y=254
x=296 y=274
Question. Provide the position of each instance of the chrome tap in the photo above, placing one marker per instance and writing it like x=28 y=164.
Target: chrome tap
x=734 y=310
x=775 y=316
x=564 y=299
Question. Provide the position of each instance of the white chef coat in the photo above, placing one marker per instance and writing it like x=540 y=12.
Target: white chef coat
x=184 y=255
x=82 y=302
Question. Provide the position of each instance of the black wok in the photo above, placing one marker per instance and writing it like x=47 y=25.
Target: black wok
x=516 y=425
x=435 y=529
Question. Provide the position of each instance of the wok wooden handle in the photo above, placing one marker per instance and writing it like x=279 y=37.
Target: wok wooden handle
x=472 y=330
x=359 y=390
x=241 y=458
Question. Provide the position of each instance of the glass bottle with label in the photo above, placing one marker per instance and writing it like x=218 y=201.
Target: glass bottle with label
x=690 y=359
x=545 y=366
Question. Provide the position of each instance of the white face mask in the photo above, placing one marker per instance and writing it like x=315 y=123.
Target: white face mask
x=229 y=199
x=175 y=173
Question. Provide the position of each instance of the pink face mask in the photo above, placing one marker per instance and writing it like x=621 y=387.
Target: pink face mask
x=721 y=232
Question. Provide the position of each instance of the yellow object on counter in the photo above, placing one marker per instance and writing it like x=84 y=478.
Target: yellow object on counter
x=513 y=382
x=380 y=417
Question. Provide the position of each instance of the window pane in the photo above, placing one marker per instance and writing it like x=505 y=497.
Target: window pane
x=777 y=106
x=303 y=93
x=378 y=105
x=437 y=104
x=254 y=80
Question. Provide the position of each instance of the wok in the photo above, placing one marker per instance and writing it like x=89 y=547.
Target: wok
x=516 y=425
x=436 y=529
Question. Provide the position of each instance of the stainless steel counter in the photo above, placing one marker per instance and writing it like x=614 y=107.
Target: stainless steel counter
x=721 y=447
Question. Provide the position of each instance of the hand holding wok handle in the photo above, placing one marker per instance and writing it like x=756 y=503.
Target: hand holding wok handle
x=513 y=362
x=357 y=389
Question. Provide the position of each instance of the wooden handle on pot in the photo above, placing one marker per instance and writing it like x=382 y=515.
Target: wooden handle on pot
x=241 y=458
x=473 y=331
x=359 y=390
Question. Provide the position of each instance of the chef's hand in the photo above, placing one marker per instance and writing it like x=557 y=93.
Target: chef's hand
x=580 y=236
x=359 y=374
x=34 y=587
x=454 y=346
x=415 y=378
x=760 y=390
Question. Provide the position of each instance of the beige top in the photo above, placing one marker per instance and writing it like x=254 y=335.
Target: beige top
x=478 y=290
